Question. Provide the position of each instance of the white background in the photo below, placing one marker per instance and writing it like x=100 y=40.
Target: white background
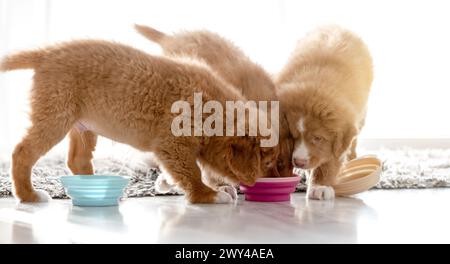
x=409 y=41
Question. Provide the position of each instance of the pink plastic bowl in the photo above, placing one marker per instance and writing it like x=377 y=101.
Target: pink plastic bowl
x=271 y=189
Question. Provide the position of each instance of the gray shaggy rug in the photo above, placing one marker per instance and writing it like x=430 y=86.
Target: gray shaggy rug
x=402 y=168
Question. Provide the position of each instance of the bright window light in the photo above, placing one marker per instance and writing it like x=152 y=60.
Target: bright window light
x=409 y=41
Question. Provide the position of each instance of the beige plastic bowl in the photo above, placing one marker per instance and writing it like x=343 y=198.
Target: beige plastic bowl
x=358 y=175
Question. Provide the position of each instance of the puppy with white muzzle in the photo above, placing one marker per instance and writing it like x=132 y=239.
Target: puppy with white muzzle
x=324 y=89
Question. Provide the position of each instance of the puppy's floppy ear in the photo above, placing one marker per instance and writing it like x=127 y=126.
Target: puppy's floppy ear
x=244 y=160
x=343 y=139
x=284 y=162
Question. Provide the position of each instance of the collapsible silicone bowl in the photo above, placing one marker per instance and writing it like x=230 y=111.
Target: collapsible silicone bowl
x=271 y=189
x=358 y=175
x=95 y=190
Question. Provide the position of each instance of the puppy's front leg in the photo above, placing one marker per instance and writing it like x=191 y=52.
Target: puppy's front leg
x=352 y=154
x=178 y=159
x=322 y=179
x=216 y=182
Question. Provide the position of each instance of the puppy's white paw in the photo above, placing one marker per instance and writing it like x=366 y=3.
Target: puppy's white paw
x=37 y=196
x=44 y=197
x=223 y=198
x=320 y=192
x=230 y=190
x=161 y=185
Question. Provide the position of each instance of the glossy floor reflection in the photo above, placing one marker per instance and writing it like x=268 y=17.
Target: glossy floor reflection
x=375 y=216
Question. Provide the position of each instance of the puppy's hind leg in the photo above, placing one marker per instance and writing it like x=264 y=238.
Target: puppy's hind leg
x=179 y=160
x=40 y=138
x=81 y=147
x=52 y=116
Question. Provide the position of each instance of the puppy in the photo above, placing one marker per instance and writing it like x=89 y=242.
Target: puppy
x=233 y=66
x=89 y=88
x=324 y=88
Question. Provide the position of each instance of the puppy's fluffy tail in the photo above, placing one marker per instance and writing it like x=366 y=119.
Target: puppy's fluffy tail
x=150 y=33
x=22 y=60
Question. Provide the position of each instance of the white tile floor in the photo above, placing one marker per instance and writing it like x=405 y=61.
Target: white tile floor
x=375 y=216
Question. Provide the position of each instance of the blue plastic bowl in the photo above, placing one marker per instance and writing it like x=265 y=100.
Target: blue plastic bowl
x=95 y=190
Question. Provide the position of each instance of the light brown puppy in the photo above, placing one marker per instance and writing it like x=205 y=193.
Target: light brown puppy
x=325 y=87
x=234 y=66
x=109 y=89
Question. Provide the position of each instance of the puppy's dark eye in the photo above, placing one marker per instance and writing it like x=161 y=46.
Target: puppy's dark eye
x=317 y=139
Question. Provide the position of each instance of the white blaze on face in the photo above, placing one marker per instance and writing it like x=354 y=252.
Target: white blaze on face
x=301 y=125
x=301 y=151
